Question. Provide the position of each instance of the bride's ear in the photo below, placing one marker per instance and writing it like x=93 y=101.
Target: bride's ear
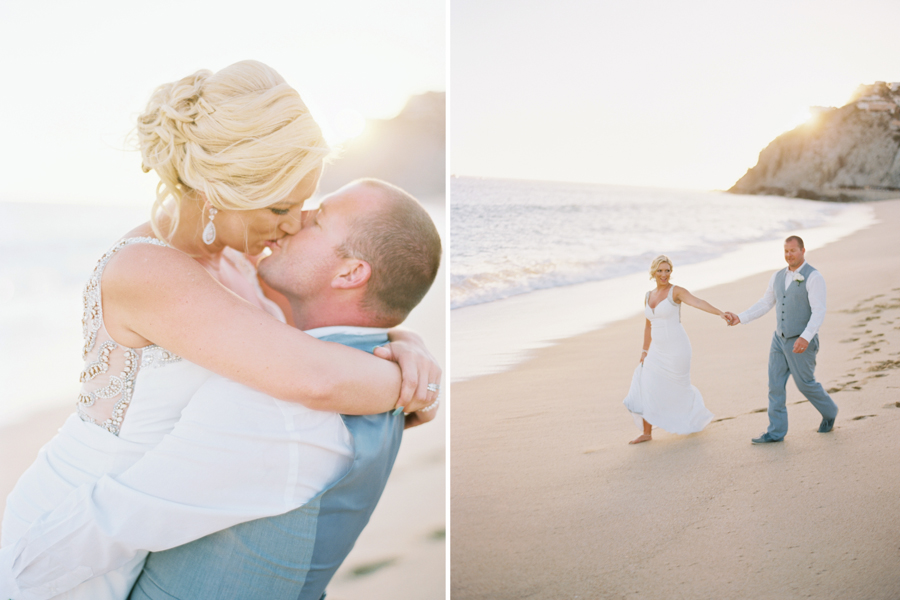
x=354 y=273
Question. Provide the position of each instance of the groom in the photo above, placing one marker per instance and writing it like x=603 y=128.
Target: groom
x=359 y=264
x=798 y=293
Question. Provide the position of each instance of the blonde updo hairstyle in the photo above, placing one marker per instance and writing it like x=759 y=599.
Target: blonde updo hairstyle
x=242 y=137
x=662 y=258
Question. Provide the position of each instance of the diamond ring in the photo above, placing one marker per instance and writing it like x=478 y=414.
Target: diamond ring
x=433 y=387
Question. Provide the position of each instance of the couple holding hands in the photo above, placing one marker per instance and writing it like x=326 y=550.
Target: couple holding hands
x=661 y=393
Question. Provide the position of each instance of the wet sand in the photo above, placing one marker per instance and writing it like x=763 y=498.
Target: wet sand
x=549 y=501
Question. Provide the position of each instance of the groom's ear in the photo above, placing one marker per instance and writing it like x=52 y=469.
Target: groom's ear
x=354 y=273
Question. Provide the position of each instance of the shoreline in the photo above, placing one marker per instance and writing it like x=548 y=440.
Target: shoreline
x=841 y=195
x=490 y=337
x=549 y=500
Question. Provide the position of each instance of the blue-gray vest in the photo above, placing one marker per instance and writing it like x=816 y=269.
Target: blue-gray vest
x=792 y=311
x=294 y=555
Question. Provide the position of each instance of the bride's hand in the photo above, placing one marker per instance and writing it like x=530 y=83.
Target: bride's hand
x=418 y=370
x=643 y=356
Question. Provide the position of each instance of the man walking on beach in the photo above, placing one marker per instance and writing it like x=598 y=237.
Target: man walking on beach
x=231 y=474
x=798 y=293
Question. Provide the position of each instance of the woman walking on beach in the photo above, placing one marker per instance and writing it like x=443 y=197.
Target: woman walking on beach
x=661 y=393
x=237 y=153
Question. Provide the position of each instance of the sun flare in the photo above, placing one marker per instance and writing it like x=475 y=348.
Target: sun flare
x=348 y=123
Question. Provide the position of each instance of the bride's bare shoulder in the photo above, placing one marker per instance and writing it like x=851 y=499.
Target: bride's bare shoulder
x=679 y=293
x=145 y=264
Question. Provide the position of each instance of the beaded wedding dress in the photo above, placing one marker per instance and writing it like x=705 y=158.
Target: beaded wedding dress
x=661 y=392
x=130 y=399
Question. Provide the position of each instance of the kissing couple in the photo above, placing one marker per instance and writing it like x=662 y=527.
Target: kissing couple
x=236 y=427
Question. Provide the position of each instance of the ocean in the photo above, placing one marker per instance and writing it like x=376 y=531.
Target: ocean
x=51 y=250
x=537 y=261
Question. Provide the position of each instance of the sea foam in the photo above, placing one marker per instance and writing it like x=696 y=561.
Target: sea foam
x=533 y=262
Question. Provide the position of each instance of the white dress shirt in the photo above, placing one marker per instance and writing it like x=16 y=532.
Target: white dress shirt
x=815 y=288
x=235 y=455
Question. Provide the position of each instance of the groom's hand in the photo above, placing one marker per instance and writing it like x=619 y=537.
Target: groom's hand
x=800 y=346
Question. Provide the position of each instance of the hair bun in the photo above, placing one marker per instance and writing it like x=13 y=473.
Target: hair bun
x=241 y=136
x=161 y=125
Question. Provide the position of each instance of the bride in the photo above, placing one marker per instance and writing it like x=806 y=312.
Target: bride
x=661 y=393
x=177 y=299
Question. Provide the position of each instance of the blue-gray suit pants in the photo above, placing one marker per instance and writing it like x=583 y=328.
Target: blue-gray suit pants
x=783 y=362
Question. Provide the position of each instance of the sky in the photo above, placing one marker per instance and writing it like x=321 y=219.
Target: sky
x=651 y=92
x=76 y=74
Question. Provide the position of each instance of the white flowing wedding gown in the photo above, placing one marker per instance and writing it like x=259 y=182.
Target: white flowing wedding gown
x=661 y=392
x=130 y=399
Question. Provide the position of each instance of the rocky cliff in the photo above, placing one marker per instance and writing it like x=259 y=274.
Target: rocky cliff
x=407 y=150
x=844 y=154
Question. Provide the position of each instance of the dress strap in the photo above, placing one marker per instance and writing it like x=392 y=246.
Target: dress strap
x=647 y=299
x=671 y=298
x=92 y=319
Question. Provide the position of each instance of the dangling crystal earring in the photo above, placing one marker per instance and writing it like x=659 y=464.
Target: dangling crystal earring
x=209 y=232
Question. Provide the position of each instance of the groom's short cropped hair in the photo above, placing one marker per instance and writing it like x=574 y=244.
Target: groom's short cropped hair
x=403 y=249
x=795 y=238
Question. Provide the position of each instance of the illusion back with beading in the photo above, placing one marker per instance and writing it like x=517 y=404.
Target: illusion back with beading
x=115 y=376
x=129 y=400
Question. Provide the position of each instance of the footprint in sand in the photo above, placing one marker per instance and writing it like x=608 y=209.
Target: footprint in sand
x=877 y=369
x=842 y=386
x=861 y=417
x=369 y=568
x=877 y=316
x=758 y=410
x=885 y=365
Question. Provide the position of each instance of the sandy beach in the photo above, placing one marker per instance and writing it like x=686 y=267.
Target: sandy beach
x=401 y=553
x=549 y=501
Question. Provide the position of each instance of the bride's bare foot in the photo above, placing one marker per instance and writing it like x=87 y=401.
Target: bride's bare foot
x=644 y=437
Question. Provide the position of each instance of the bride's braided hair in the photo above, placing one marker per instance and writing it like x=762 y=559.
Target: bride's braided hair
x=242 y=137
